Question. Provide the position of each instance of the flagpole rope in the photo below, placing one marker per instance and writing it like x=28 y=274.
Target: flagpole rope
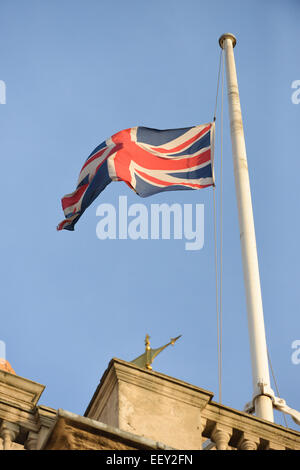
x=218 y=305
x=221 y=229
x=218 y=83
x=276 y=386
x=217 y=289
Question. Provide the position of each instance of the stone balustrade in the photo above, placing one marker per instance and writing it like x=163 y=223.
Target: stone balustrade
x=225 y=428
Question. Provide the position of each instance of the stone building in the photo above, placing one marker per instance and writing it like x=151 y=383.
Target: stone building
x=132 y=408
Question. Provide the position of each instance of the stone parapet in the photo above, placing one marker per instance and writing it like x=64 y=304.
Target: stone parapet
x=74 y=432
x=133 y=408
x=23 y=424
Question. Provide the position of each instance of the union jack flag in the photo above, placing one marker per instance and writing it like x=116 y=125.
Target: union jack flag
x=148 y=160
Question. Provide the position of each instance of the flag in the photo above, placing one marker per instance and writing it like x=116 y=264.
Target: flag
x=148 y=160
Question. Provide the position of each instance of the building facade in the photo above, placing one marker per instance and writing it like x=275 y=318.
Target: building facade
x=133 y=408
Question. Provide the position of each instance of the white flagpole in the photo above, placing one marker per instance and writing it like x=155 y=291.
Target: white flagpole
x=263 y=393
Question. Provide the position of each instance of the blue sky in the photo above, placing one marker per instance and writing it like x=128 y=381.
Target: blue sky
x=76 y=72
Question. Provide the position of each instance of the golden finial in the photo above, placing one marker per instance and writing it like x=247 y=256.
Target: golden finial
x=146 y=359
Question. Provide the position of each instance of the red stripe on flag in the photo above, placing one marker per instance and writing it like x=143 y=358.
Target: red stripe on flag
x=165 y=183
x=132 y=152
x=71 y=199
x=185 y=144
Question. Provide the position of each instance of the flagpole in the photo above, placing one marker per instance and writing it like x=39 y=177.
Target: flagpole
x=262 y=392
